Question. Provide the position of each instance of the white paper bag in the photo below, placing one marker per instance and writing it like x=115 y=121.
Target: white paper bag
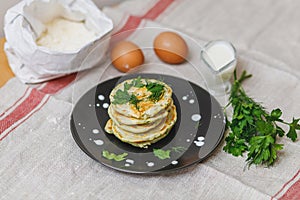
x=25 y=22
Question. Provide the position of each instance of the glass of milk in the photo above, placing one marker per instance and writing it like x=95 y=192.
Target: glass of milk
x=220 y=57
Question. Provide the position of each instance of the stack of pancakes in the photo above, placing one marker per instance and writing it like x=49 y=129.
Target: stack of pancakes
x=145 y=122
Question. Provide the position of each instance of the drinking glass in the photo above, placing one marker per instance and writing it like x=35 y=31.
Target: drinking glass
x=221 y=66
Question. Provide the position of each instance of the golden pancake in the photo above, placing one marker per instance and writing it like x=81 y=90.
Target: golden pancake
x=141 y=111
x=139 y=125
x=141 y=128
x=149 y=136
x=123 y=119
x=147 y=143
x=146 y=107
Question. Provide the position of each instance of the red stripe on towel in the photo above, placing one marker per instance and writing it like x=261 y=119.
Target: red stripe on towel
x=20 y=99
x=134 y=21
x=159 y=8
x=33 y=100
x=25 y=118
x=56 y=85
x=293 y=193
x=22 y=110
x=286 y=184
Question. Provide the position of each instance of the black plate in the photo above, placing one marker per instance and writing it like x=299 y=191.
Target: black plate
x=198 y=130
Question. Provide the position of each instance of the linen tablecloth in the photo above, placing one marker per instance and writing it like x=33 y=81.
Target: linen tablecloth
x=40 y=160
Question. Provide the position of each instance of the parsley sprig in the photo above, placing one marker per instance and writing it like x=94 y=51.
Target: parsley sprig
x=156 y=89
x=162 y=154
x=115 y=157
x=122 y=97
x=252 y=129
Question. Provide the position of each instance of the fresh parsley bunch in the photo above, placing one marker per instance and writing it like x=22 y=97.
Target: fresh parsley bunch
x=252 y=129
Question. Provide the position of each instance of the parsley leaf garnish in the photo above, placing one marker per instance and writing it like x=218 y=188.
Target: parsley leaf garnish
x=293 y=127
x=121 y=97
x=165 y=154
x=138 y=82
x=134 y=100
x=162 y=154
x=127 y=86
x=156 y=89
x=252 y=129
x=179 y=149
x=112 y=156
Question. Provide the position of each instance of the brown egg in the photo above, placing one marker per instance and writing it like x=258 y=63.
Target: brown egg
x=170 y=47
x=126 y=55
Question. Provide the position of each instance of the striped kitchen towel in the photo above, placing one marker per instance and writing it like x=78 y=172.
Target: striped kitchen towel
x=40 y=160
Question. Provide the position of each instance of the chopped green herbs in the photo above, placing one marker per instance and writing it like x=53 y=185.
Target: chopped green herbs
x=162 y=154
x=127 y=86
x=138 y=82
x=165 y=154
x=156 y=89
x=252 y=129
x=123 y=96
x=134 y=101
x=112 y=156
x=179 y=149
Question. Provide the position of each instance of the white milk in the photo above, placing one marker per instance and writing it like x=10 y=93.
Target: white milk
x=221 y=57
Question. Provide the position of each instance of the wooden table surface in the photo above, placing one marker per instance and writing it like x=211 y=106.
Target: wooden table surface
x=5 y=71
